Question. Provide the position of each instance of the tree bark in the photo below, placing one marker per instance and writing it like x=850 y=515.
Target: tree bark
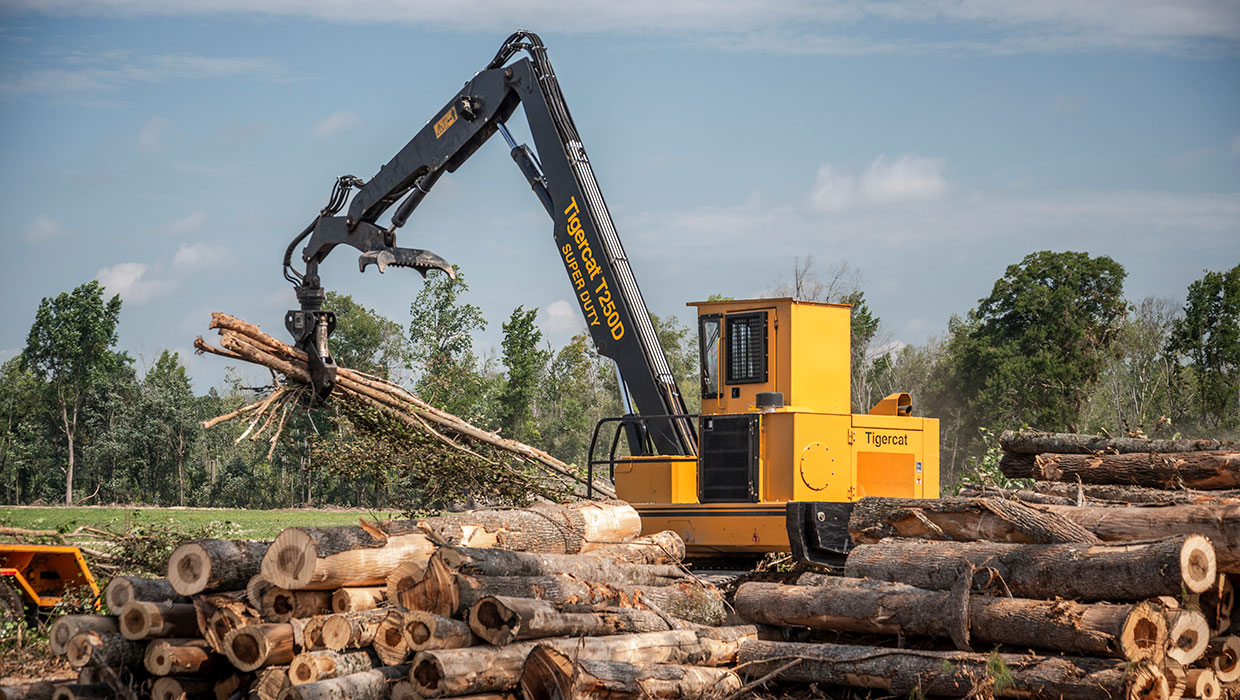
x=1033 y=442
x=989 y=519
x=549 y=528
x=484 y=669
x=687 y=600
x=498 y=562
x=1177 y=470
x=123 y=589
x=326 y=558
x=255 y=589
x=208 y=565
x=374 y=684
x=170 y=688
x=103 y=649
x=1136 y=632
x=220 y=613
x=504 y=620
x=391 y=643
x=549 y=674
x=142 y=620
x=954 y=673
x=1083 y=572
x=358 y=599
x=66 y=626
x=352 y=630
x=1133 y=494
x=1221 y=524
x=425 y=631
x=664 y=547
x=313 y=666
x=165 y=657
x=254 y=646
x=280 y=605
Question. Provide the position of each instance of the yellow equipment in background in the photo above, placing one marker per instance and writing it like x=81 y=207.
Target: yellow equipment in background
x=35 y=576
x=781 y=454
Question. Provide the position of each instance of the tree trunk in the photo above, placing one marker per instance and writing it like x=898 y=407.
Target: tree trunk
x=504 y=620
x=169 y=688
x=549 y=674
x=1133 y=494
x=142 y=620
x=403 y=578
x=255 y=589
x=254 y=646
x=312 y=632
x=1221 y=524
x=280 y=605
x=326 y=558
x=220 y=613
x=312 y=666
x=352 y=630
x=70 y=433
x=358 y=599
x=103 y=649
x=1083 y=572
x=73 y=691
x=1188 y=636
x=374 y=684
x=391 y=643
x=484 y=669
x=665 y=547
x=1194 y=470
x=555 y=529
x=269 y=683
x=425 y=631
x=954 y=673
x=457 y=593
x=1033 y=442
x=1217 y=603
x=1135 y=632
x=165 y=657
x=123 y=589
x=1202 y=684
x=208 y=565
x=1224 y=656
x=65 y=627
x=989 y=519
x=227 y=686
x=498 y=562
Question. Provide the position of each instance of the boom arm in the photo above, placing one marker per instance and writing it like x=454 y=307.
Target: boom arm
x=561 y=176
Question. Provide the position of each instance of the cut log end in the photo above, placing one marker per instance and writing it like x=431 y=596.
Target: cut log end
x=1143 y=636
x=1148 y=683
x=189 y=568
x=1202 y=684
x=1198 y=564
x=1226 y=659
x=426 y=675
x=292 y=565
x=1188 y=637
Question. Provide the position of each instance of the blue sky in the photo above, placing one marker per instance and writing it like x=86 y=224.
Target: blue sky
x=171 y=150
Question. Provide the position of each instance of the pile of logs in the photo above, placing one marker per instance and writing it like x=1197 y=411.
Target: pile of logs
x=548 y=601
x=1066 y=588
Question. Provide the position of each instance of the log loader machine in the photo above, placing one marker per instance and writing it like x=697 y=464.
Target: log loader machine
x=775 y=457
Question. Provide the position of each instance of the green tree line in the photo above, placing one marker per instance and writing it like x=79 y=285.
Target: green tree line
x=1054 y=346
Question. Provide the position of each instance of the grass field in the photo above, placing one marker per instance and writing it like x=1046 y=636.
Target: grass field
x=254 y=524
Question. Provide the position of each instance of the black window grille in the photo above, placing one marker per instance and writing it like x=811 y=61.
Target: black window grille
x=746 y=338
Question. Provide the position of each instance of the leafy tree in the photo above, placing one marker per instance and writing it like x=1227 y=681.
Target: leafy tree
x=365 y=340
x=578 y=390
x=68 y=346
x=25 y=445
x=1034 y=348
x=1209 y=337
x=526 y=363
x=680 y=344
x=442 y=348
x=169 y=413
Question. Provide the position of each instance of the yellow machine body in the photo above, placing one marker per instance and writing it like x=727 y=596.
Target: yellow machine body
x=43 y=573
x=756 y=457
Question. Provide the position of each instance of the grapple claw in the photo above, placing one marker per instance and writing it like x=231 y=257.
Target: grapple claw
x=421 y=260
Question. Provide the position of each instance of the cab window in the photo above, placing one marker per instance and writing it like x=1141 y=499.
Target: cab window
x=708 y=334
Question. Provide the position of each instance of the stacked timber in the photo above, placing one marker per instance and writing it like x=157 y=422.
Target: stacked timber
x=440 y=607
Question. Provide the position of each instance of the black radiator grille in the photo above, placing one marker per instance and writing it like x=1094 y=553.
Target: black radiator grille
x=729 y=461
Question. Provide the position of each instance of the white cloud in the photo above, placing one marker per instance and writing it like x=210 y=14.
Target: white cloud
x=151 y=135
x=826 y=27
x=190 y=223
x=198 y=255
x=102 y=73
x=129 y=279
x=1235 y=145
x=44 y=228
x=561 y=316
x=336 y=122
x=908 y=178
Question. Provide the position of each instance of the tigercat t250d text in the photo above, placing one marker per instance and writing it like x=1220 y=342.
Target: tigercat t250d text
x=775 y=458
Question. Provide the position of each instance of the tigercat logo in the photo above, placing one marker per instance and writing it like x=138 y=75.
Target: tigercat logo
x=447 y=120
x=881 y=440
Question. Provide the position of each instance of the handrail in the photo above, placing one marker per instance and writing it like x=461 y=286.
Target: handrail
x=620 y=421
